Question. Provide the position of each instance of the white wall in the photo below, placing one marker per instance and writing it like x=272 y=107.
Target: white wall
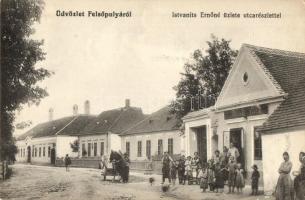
x=36 y=143
x=93 y=139
x=273 y=147
x=153 y=137
x=115 y=141
x=22 y=154
x=63 y=146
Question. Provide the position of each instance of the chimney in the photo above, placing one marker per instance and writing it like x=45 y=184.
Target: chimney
x=75 y=110
x=51 y=111
x=87 y=107
x=127 y=103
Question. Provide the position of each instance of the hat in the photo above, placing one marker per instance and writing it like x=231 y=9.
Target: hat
x=254 y=166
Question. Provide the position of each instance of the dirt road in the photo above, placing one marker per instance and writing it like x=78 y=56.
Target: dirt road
x=43 y=182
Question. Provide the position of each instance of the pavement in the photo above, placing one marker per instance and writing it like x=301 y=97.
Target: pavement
x=45 y=182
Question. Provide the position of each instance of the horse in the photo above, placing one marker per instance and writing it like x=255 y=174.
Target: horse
x=119 y=164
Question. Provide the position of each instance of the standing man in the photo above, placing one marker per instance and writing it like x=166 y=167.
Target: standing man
x=126 y=170
x=67 y=162
x=233 y=151
x=166 y=159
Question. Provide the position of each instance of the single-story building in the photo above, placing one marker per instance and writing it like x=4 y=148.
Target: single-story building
x=152 y=136
x=284 y=131
x=50 y=140
x=259 y=81
x=101 y=135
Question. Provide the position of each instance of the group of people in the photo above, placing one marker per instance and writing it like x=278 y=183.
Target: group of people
x=211 y=175
x=286 y=189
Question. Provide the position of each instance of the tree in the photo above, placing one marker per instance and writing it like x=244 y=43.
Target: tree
x=204 y=75
x=19 y=54
x=75 y=146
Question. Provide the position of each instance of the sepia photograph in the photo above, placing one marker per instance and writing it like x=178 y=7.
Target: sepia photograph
x=145 y=100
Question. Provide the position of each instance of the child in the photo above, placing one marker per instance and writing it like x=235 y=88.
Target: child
x=232 y=174
x=203 y=175
x=211 y=175
x=239 y=179
x=219 y=180
x=173 y=172
x=188 y=168
x=181 y=170
x=254 y=178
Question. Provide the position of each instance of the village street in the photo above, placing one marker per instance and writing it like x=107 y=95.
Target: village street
x=44 y=182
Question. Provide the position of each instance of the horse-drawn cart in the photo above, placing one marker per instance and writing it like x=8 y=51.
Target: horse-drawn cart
x=108 y=170
x=115 y=166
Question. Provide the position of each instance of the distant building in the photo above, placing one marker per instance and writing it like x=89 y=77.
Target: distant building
x=50 y=140
x=261 y=83
x=102 y=134
x=152 y=136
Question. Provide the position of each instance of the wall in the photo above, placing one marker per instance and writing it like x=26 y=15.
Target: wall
x=92 y=139
x=190 y=140
x=153 y=137
x=115 y=141
x=22 y=147
x=274 y=145
x=43 y=142
x=63 y=146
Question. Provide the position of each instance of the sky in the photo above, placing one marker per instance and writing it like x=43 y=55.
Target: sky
x=140 y=58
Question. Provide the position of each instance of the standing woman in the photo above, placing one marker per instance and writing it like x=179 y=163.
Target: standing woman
x=284 y=187
x=299 y=181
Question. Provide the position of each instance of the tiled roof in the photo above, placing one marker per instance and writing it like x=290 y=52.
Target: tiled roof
x=161 y=120
x=291 y=112
x=284 y=68
x=71 y=125
x=116 y=121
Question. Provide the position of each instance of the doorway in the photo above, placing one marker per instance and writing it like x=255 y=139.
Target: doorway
x=201 y=142
x=236 y=137
x=53 y=156
x=29 y=154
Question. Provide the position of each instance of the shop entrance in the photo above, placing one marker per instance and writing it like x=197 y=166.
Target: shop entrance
x=236 y=137
x=201 y=134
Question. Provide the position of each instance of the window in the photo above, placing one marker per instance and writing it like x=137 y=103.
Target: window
x=44 y=152
x=246 y=111
x=89 y=149
x=35 y=152
x=39 y=151
x=21 y=152
x=160 y=147
x=245 y=77
x=170 y=146
x=257 y=145
x=139 y=148
x=128 y=148
x=102 y=148
x=95 y=149
x=49 y=151
x=148 y=149
x=83 y=149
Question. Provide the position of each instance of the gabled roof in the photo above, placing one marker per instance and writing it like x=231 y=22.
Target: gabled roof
x=285 y=68
x=291 y=112
x=161 y=120
x=115 y=121
x=71 y=125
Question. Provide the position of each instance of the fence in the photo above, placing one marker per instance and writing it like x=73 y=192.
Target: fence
x=94 y=163
x=4 y=170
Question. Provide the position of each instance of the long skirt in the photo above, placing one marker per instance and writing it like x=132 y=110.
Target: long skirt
x=284 y=188
x=204 y=183
x=299 y=186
